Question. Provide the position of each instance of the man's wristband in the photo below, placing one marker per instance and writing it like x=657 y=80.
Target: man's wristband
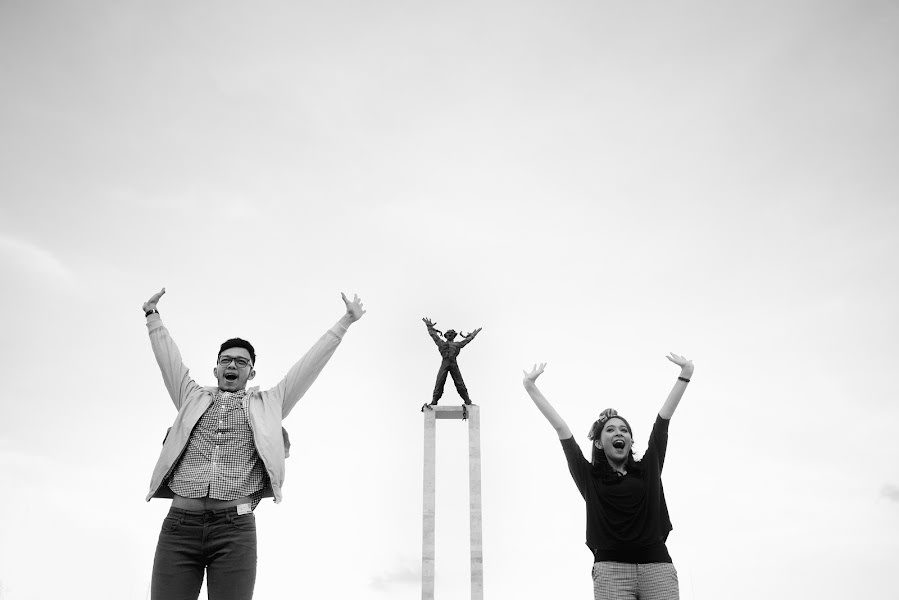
x=150 y=312
x=684 y=379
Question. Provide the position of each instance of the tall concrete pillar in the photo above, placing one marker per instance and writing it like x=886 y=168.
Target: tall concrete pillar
x=474 y=503
x=474 y=490
x=429 y=504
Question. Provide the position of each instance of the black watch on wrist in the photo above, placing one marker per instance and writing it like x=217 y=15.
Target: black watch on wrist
x=150 y=312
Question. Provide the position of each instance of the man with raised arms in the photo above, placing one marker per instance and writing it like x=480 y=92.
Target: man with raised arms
x=224 y=452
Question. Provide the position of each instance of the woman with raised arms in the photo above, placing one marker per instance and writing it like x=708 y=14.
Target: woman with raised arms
x=627 y=519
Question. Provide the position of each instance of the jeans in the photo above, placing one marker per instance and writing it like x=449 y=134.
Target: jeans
x=219 y=542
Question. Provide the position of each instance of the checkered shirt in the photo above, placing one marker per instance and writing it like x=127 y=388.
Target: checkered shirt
x=221 y=460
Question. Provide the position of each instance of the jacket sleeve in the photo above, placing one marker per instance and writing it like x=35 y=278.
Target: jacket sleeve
x=175 y=375
x=304 y=373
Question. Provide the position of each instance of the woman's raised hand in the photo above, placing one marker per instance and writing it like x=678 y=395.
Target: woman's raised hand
x=683 y=362
x=534 y=374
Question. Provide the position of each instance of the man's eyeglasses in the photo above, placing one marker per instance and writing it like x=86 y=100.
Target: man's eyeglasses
x=224 y=361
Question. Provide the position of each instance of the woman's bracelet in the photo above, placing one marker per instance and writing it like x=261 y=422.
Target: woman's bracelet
x=684 y=379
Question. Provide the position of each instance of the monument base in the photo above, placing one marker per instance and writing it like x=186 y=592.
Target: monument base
x=472 y=413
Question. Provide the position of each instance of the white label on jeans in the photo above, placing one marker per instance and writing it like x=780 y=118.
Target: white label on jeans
x=244 y=509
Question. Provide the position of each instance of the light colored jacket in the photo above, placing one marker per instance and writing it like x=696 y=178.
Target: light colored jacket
x=266 y=409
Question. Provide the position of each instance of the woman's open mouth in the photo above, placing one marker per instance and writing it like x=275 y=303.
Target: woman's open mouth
x=618 y=444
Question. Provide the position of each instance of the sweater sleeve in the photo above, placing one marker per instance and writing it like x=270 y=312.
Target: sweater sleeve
x=578 y=466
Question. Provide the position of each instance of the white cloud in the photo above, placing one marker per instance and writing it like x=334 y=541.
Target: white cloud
x=400 y=576
x=34 y=261
x=891 y=492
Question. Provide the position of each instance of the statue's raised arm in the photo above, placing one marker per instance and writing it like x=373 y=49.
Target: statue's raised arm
x=467 y=337
x=434 y=333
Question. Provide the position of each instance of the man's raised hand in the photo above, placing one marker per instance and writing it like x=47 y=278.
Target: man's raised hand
x=154 y=299
x=428 y=322
x=354 y=308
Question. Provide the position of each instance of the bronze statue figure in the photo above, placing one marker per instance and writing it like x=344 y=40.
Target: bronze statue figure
x=449 y=350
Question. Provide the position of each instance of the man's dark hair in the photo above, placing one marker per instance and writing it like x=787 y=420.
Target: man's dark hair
x=239 y=343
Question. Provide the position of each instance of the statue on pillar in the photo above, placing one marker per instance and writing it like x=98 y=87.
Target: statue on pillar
x=449 y=350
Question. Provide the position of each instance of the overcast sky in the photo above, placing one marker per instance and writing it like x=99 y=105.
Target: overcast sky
x=595 y=183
